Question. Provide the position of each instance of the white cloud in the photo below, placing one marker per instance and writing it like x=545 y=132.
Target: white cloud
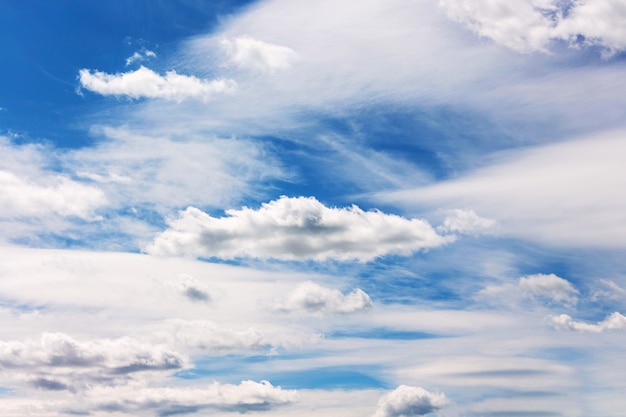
x=248 y=53
x=147 y=83
x=315 y=298
x=140 y=56
x=464 y=221
x=531 y=25
x=565 y=194
x=407 y=401
x=245 y=397
x=609 y=290
x=546 y=287
x=295 y=228
x=614 y=321
x=550 y=287
x=56 y=194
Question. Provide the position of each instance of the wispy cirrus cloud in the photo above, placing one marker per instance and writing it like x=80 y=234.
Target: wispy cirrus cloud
x=295 y=229
x=145 y=83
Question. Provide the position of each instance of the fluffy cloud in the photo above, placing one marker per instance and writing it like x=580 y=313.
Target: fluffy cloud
x=146 y=83
x=550 y=287
x=614 y=321
x=248 y=53
x=407 y=401
x=140 y=56
x=464 y=221
x=295 y=228
x=547 y=287
x=22 y=198
x=247 y=396
x=315 y=298
x=530 y=25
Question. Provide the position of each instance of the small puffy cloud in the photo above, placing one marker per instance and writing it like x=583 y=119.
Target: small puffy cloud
x=614 y=321
x=247 y=396
x=140 y=56
x=407 y=401
x=528 y=26
x=194 y=290
x=546 y=287
x=464 y=221
x=248 y=53
x=315 y=298
x=147 y=83
x=550 y=287
x=295 y=229
x=21 y=197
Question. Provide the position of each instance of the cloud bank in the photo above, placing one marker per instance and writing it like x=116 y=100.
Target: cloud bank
x=296 y=228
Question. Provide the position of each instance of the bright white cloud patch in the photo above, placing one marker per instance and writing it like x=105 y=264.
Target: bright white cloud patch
x=21 y=197
x=550 y=287
x=615 y=321
x=248 y=53
x=530 y=25
x=464 y=221
x=147 y=83
x=546 y=287
x=315 y=298
x=140 y=56
x=407 y=401
x=295 y=229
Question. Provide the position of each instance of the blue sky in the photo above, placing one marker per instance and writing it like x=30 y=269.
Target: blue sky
x=377 y=208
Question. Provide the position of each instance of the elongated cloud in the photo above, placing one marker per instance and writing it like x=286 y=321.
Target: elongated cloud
x=59 y=195
x=545 y=287
x=145 y=83
x=315 y=298
x=247 y=396
x=407 y=401
x=295 y=229
x=615 y=321
x=530 y=25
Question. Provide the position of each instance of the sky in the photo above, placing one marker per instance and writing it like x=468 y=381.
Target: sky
x=373 y=208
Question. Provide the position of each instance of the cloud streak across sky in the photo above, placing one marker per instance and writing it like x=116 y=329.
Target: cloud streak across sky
x=379 y=208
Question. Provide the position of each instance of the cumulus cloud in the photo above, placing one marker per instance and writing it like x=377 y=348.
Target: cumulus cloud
x=531 y=25
x=546 y=287
x=194 y=290
x=249 y=53
x=315 y=298
x=295 y=229
x=56 y=194
x=614 y=321
x=464 y=221
x=551 y=287
x=247 y=396
x=61 y=360
x=408 y=401
x=145 y=83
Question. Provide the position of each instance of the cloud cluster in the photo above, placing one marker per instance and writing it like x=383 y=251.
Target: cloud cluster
x=464 y=221
x=408 y=401
x=145 y=83
x=295 y=229
x=314 y=298
x=615 y=321
x=531 y=25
